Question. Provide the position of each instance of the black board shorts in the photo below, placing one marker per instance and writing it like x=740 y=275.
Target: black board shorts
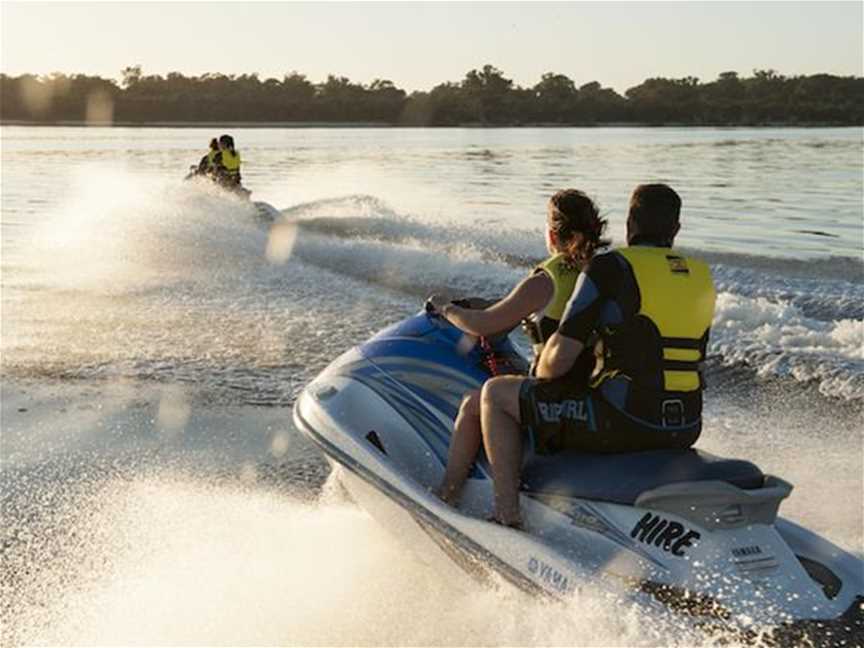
x=561 y=417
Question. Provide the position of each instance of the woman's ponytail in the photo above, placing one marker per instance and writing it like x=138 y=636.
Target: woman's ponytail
x=571 y=212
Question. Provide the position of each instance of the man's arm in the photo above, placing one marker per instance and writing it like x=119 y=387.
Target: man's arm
x=559 y=355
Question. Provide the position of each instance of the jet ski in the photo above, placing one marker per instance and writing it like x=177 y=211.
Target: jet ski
x=266 y=212
x=680 y=532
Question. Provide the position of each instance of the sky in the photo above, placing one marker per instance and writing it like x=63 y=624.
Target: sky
x=418 y=45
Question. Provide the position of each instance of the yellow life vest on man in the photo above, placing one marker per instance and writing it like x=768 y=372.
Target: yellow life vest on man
x=231 y=161
x=540 y=326
x=661 y=349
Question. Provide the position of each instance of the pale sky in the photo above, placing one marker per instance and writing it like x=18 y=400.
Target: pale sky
x=418 y=45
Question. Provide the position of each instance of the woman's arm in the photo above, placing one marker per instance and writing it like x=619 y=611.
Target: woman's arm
x=532 y=294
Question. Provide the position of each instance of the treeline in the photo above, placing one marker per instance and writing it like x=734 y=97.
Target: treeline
x=484 y=97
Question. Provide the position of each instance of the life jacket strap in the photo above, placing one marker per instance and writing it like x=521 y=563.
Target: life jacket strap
x=683 y=343
x=683 y=365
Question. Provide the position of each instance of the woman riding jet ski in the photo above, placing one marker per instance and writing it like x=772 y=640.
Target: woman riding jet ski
x=679 y=532
x=206 y=167
x=573 y=233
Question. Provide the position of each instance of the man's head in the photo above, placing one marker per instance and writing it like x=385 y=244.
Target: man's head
x=654 y=215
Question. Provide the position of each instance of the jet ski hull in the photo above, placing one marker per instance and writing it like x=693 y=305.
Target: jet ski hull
x=372 y=414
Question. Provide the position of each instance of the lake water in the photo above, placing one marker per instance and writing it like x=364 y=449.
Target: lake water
x=155 y=334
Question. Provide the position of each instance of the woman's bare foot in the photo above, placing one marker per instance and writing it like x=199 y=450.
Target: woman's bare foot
x=447 y=496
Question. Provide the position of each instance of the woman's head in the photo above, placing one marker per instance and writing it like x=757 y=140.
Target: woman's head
x=575 y=228
x=214 y=144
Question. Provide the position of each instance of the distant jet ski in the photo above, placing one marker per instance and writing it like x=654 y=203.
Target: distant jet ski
x=265 y=211
x=677 y=531
x=200 y=172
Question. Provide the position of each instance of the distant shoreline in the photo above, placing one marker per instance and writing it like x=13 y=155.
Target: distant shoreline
x=296 y=124
x=484 y=98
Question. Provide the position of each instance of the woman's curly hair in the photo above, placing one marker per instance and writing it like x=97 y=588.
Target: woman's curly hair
x=573 y=211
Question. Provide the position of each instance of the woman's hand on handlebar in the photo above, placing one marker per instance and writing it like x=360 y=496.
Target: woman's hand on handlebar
x=436 y=304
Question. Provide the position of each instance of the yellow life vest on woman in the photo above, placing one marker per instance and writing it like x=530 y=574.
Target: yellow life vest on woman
x=540 y=326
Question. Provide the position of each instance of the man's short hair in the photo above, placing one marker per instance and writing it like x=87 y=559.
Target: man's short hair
x=655 y=210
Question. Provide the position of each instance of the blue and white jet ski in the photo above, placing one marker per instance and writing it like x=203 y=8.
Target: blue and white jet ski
x=677 y=531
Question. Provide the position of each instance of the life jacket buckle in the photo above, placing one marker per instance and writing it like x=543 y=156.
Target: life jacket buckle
x=672 y=412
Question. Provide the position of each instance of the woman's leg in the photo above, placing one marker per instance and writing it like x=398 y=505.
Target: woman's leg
x=502 y=438
x=464 y=446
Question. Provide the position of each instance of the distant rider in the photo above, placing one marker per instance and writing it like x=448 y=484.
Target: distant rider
x=651 y=309
x=207 y=165
x=227 y=163
x=573 y=232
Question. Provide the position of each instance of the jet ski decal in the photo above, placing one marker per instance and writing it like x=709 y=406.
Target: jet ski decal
x=549 y=574
x=442 y=388
x=587 y=517
x=467 y=368
x=668 y=535
x=430 y=429
x=406 y=385
x=608 y=529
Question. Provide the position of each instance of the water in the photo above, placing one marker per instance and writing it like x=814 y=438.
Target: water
x=155 y=335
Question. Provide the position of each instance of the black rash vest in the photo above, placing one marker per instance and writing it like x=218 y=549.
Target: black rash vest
x=606 y=293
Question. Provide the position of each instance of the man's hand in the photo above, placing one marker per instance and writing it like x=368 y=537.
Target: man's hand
x=559 y=355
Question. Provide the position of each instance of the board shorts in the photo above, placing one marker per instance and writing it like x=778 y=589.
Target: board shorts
x=559 y=417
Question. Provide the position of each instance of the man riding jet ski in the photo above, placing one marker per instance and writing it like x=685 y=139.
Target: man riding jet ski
x=673 y=530
x=226 y=164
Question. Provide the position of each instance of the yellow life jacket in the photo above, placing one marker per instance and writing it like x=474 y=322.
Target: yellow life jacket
x=540 y=326
x=231 y=161
x=211 y=158
x=662 y=348
x=563 y=277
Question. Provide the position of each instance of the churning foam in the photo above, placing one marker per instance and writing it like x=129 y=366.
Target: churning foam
x=186 y=563
x=117 y=231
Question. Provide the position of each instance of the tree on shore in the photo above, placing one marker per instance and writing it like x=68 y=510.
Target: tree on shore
x=485 y=96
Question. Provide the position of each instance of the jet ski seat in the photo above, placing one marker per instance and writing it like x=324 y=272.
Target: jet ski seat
x=621 y=478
